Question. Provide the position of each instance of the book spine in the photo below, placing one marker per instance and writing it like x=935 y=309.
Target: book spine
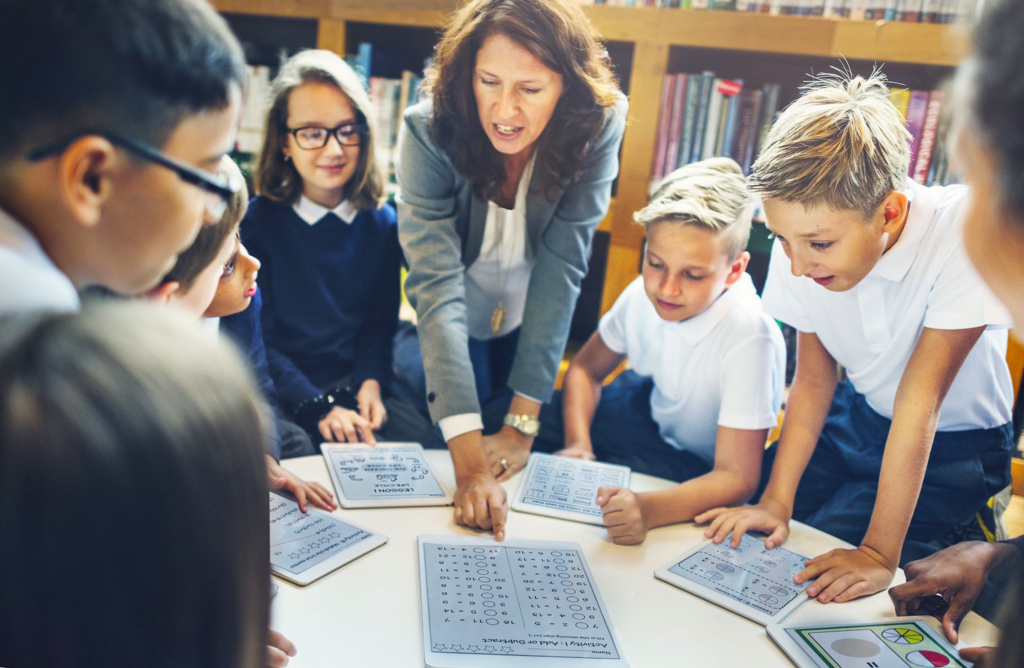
x=703 y=102
x=658 y=168
x=693 y=92
x=928 y=132
x=675 y=127
x=900 y=98
x=364 y=61
x=731 y=125
x=750 y=107
x=769 y=106
x=916 y=113
x=932 y=11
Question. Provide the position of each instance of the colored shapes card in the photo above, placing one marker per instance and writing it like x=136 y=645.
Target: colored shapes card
x=306 y=546
x=906 y=642
x=516 y=603
x=750 y=580
x=566 y=488
x=388 y=475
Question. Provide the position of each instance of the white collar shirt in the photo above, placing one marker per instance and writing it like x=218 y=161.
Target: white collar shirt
x=313 y=213
x=28 y=278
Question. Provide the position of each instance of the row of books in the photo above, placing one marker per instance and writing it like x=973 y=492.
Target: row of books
x=704 y=116
x=254 y=110
x=929 y=154
x=912 y=11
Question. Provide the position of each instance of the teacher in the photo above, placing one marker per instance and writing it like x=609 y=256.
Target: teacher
x=505 y=170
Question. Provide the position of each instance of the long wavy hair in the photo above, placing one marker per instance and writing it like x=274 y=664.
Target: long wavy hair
x=559 y=35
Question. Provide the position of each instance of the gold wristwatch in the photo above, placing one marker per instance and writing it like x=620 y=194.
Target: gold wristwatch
x=527 y=425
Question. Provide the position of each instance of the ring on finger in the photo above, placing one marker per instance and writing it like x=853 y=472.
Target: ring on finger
x=504 y=464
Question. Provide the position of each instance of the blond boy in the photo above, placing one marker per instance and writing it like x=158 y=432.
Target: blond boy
x=707 y=365
x=869 y=267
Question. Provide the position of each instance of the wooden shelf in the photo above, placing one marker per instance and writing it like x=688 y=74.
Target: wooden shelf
x=881 y=41
x=654 y=35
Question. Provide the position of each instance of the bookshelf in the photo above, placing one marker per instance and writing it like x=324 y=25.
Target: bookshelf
x=645 y=44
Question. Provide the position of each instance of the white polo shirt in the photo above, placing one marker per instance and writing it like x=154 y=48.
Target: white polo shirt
x=924 y=280
x=28 y=279
x=723 y=367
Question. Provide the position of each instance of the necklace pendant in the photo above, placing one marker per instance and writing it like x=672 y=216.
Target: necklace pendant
x=498 y=318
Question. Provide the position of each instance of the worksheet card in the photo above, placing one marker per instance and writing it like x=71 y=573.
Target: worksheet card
x=527 y=599
x=900 y=644
x=751 y=580
x=566 y=488
x=386 y=475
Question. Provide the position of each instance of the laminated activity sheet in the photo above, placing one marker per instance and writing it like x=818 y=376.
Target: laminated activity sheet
x=566 y=488
x=386 y=475
x=907 y=642
x=484 y=603
x=305 y=547
x=750 y=580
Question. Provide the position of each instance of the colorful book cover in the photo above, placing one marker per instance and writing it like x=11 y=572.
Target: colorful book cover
x=664 y=117
x=730 y=118
x=724 y=5
x=693 y=92
x=910 y=10
x=743 y=147
x=364 y=60
x=916 y=113
x=675 y=127
x=769 y=105
x=928 y=133
x=932 y=11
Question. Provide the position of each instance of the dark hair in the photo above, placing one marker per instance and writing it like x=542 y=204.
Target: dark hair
x=137 y=67
x=998 y=94
x=132 y=494
x=560 y=36
x=204 y=249
x=276 y=178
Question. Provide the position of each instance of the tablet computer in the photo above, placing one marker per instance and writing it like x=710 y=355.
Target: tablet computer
x=306 y=547
x=566 y=488
x=383 y=476
x=750 y=580
x=523 y=603
x=900 y=642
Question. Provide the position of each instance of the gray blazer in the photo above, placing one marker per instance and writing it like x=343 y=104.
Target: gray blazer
x=441 y=229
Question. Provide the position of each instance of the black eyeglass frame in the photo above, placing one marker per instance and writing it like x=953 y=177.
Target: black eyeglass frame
x=197 y=177
x=362 y=129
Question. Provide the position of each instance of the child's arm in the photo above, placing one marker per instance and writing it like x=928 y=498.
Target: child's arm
x=809 y=400
x=847 y=574
x=738 y=452
x=279 y=477
x=581 y=390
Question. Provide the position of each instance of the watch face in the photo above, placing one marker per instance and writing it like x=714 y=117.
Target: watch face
x=529 y=426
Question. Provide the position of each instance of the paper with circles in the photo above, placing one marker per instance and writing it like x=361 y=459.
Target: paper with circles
x=751 y=580
x=525 y=599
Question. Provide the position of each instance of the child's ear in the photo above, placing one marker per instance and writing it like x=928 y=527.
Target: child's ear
x=83 y=173
x=163 y=293
x=894 y=211
x=739 y=266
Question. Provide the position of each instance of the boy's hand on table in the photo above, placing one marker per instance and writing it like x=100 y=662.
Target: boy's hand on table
x=578 y=451
x=278 y=477
x=946 y=584
x=279 y=649
x=507 y=452
x=371 y=406
x=343 y=425
x=481 y=503
x=624 y=515
x=767 y=516
x=843 y=575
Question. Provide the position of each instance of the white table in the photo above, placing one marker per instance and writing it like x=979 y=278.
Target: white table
x=368 y=612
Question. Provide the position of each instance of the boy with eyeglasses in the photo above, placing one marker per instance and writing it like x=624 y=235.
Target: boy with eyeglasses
x=110 y=144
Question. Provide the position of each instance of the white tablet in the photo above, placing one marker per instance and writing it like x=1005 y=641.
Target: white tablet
x=386 y=475
x=522 y=603
x=566 y=488
x=900 y=642
x=749 y=580
x=306 y=547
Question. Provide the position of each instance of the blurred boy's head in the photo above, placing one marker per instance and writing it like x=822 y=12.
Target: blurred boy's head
x=193 y=281
x=698 y=225
x=831 y=176
x=116 y=115
x=990 y=146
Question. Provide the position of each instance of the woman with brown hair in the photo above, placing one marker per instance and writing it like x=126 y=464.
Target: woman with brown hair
x=505 y=171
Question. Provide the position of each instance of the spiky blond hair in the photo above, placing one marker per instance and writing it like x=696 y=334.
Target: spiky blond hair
x=842 y=144
x=712 y=194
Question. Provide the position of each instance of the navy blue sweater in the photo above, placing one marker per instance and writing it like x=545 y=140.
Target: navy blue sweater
x=331 y=291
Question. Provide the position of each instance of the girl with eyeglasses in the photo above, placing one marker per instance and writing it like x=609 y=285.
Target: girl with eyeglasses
x=328 y=244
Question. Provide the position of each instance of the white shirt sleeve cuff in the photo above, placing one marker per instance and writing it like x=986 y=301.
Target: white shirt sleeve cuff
x=456 y=425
